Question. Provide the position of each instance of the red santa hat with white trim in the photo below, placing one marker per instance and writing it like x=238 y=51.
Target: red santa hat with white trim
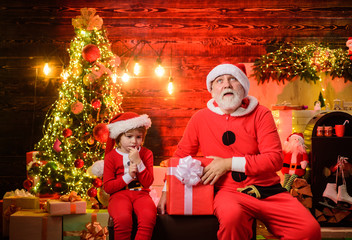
x=237 y=70
x=297 y=134
x=124 y=122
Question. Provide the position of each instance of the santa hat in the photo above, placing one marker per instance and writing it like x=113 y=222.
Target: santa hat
x=124 y=122
x=349 y=41
x=297 y=134
x=238 y=71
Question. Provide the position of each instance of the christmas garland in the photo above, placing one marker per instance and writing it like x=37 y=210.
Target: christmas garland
x=307 y=62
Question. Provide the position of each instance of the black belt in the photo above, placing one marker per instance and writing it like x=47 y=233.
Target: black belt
x=134 y=185
x=292 y=166
x=262 y=192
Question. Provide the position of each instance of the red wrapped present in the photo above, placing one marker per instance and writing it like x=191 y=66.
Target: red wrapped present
x=31 y=156
x=186 y=195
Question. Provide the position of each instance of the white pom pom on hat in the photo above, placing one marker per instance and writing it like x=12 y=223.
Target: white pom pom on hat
x=237 y=70
x=98 y=168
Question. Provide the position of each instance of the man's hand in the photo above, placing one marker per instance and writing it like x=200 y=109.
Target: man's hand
x=162 y=204
x=133 y=155
x=217 y=168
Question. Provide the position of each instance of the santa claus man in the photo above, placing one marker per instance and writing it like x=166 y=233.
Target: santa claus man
x=295 y=159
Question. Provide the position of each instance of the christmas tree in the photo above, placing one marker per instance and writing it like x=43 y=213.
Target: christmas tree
x=75 y=128
x=321 y=100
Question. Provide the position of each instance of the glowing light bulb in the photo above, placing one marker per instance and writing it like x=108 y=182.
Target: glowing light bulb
x=170 y=86
x=46 y=69
x=159 y=70
x=137 y=68
x=125 y=77
x=114 y=77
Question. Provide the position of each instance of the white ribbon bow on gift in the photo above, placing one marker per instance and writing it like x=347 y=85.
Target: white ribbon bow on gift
x=188 y=172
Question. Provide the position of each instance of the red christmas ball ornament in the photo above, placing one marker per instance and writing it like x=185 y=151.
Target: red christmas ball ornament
x=28 y=184
x=57 y=187
x=79 y=163
x=96 y=103
x=92 y=192
x=91 y=53
x=101 y=132
x=97 y=182
x=67 y=132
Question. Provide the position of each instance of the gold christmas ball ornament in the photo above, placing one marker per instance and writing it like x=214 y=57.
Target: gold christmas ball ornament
x=103 y=197
x=89 y=171
x=90 y=141
x=86 y=80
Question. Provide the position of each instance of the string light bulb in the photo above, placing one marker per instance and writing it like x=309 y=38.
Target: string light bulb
x=46 y=69
x=159 y=70
x=170 y=86
x=137 y=69
x=125 y=77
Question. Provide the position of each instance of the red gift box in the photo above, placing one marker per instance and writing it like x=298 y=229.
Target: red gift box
x=184 y=198
x=31 y=156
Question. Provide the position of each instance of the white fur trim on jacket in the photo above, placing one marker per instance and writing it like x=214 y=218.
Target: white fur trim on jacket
x=123 y=126
x=253 y=102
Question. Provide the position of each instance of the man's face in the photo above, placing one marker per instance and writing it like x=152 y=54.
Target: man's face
x=227 y=92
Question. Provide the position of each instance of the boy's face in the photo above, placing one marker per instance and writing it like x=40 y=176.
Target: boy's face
x=131 y=139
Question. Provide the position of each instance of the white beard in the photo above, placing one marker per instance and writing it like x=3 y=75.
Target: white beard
x=230 y=102
x=291 y=147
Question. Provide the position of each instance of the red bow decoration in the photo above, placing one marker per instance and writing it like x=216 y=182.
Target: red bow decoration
x=72 y=197
x=94 y=231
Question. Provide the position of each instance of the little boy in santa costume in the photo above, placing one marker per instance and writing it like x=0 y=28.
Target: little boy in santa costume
x=241 y=137
x=128 y=174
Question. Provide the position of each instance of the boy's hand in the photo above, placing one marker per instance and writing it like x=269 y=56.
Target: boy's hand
x=133 y=170
x=134 y=155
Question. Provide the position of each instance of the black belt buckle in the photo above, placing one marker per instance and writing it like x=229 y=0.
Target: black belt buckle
x=134 y=185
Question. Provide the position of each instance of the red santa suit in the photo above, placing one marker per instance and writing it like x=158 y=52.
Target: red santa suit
x=249 y=134
x=124 y=200
x=292 y=163
x=127 y=194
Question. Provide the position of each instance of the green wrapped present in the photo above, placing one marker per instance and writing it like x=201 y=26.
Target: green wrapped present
x=93 y=225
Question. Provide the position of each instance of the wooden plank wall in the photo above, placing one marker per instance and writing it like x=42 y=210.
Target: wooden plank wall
x=193 y=36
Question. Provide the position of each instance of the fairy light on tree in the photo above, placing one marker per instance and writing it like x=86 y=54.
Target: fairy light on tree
x=75 y=127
